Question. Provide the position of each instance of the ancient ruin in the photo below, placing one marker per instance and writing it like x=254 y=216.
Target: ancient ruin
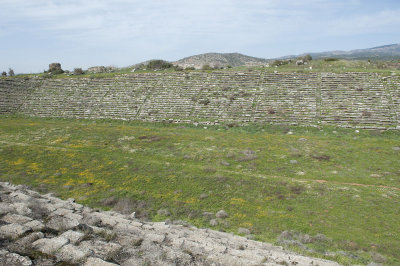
x=40 y=229
x=360 y=100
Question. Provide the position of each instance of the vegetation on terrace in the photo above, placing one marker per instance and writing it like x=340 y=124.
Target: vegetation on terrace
x=341 y=187
x=319 y=65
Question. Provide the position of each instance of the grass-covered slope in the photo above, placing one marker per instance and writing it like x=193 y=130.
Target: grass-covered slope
x=334 y=193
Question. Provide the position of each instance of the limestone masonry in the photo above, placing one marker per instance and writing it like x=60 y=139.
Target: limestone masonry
x=40 y=229
x=365 y=100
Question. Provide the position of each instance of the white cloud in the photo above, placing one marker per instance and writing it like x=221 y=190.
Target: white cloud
x=167 y=28
x=379 y=22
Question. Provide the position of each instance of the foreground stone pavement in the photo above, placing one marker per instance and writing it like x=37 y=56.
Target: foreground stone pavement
x=40 y=229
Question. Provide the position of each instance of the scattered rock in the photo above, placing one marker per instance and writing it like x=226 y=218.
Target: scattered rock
x=375 y=175
x=320 y=238
x=243 y=231
x=213 y=222
x=221 y=214
x=286 y=235
x=203 y=196
x=163 y=212
x=396 y=148
x=305 y=239
x=293 y=161
x=379 y=258
x=208 y=215
x=225 y=163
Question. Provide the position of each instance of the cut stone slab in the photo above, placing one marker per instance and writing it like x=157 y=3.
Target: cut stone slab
x=99 y=248
x=62 y=223
x=15 y=219
x=5 y=208
x=13 y=230
x=23 y=244
x=73 y=236
x=35 y=225
x=50 y=245
x=11 y=259
x=97 y=262
x=18 y=197
x=21 y=208
x=71 y=254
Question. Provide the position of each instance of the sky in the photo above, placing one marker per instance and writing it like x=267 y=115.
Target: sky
x=85 y=33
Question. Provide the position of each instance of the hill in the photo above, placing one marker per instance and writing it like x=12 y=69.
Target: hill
x=220 y=59
x=385 y=52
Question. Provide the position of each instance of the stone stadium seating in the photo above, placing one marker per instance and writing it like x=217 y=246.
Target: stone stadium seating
x=365 y=100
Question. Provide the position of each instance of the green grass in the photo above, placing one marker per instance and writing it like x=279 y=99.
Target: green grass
x=345 y=184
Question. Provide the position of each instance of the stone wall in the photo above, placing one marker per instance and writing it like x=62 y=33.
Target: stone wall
x=366 y=100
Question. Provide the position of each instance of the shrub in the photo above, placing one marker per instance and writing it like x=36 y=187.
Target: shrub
x=366 y=113
x=330 y=59
x=178 y=68
x=11 y=72
x=190 y=68
x=307 y=57
x=206 y=67
x=204 y=101
x=4 y=74
x=78 y=71
x=159 y=65
x=280 y=62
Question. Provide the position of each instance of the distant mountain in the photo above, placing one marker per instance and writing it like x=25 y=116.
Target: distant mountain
x=385 y=52
x=220 y=59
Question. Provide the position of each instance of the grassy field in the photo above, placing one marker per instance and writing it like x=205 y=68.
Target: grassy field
x=326 y=192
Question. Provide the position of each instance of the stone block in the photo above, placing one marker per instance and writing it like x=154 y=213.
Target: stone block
x=15 y=219
x=62 y=223
x=72 y=254
x=11 y=259
x=50 y=245
x=13 y=230
x=97 y=262
x=74 y=237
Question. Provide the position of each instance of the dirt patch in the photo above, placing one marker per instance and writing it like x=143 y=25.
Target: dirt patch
x=150 y=138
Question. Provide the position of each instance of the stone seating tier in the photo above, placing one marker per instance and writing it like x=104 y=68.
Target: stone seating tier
x=348 y=99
